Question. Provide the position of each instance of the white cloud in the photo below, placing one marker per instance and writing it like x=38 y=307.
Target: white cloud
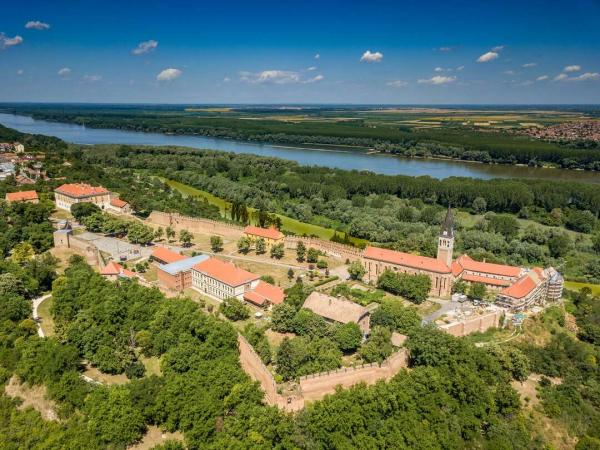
x=542 y=78
x=526 y=83
x=459 y=68
x=6 y=42
x=445 y=49
x=169 y=74
x=588 y=76
x=226 y=80
x=311 y=68
x=397 y=83
x=317 y=56
x=438 y=69
x=20 y=72
x=315 y=79
x=36 y=25
x=573 y=68
x=371 y=57
x=92 y=78
x=561 y=77
x=498 y=48
x=486 y=57
x=509 y=72
x=145 y=47
x=64 y=72
x=437 y=80
x=528 y=65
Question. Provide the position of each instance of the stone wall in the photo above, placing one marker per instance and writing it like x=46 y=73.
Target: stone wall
x=477 y=324
x=317 y=386
x=330 y=248
x=195 y=225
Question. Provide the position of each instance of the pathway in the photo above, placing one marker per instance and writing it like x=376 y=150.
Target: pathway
x=447 y=306
x=36 y=303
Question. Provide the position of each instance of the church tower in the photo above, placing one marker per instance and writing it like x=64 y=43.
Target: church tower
x=446 y=239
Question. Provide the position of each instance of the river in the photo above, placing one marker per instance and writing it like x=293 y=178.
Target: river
x=377 y=163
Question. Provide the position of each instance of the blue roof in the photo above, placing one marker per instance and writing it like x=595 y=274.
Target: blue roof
x=183 y=265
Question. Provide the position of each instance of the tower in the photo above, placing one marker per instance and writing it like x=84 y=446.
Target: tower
x=446 y=239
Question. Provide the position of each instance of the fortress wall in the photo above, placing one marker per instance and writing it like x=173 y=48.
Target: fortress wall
x=474 y=325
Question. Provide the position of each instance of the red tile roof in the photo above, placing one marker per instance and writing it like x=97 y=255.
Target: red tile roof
x=265 y=293
x=268 y=233
x=467 y=263
x=117 y=202
x=525 y=285
x=484 y=280
x=167 y=256
x=225 y=272
x=80 y=190
x=112 y=268
x=22 y=196
x=406 y=259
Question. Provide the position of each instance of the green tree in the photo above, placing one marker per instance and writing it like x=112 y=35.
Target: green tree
x=282 y=317
x=347 y=336
x=559 y=244
x=170 y=233
x=216 y=244
x=290 y=273
x=84 y=209
x=479 y=205
x=414 y=287
x=393 y=315
x=378 y=347
x=300 y=251
x=312 y=255
x=185 y=237
x=277 y=251
x=22 y=253
x=356 y=270
x=260 y=246
x=243 y=245
x=159 y=233
x=596 y=242
x=234 y=309
x=477 y=291
x=139 y=233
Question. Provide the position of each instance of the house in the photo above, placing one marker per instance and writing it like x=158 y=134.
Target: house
x=120 y=206
x=494 y=276
x=7 y=169
x=338 y=310
x=19 y=148
x=67 y=195
x=264 y=295
x=22 y=196
x=114 y=271
x=222 y=279
x=162 y=255
x=177 y=276
x=535 y=286
x=272 y=236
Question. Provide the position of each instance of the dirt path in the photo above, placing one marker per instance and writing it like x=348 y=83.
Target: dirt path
x=36 y=303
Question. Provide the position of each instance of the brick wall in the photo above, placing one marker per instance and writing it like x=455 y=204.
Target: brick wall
x=334 y=249
x=474 y=325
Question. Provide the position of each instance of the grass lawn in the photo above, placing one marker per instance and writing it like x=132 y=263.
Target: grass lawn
x=47 y=323
x=152 y=365
x=574 y=285
x=287 y=223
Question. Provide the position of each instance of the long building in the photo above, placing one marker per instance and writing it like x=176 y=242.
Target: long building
x=67 y=195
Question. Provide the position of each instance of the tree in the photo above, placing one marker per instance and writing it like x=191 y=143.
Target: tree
x=378 y=347
x=185 y=237
x=170 y=232
x=477 y=291
x=322 y=264
x=290 y=274
x=216 y=244
x=268 y=279
x=393 y=315
x=479 y=205
x=356 y=270
x=260 y=246
x=84 y=209
x=277 y=251
x=282 y=317
x=414 y=287
x=159 y=233
x=312 y=255
x=234 y=309
x=22 y=253
x=139 y=233
x=347 y=336
x=243 y=245
x=459 y=287
x=596 y=242
x=559 y=244
x=505 y=224
x=300 y=251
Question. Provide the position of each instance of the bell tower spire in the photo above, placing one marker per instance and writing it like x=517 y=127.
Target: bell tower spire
x=446 y=239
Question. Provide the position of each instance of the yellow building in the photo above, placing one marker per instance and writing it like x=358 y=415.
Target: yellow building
x=68 y=194
x=272 y=236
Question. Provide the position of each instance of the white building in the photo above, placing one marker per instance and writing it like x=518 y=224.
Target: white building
x=222 y=280
x=68 y=194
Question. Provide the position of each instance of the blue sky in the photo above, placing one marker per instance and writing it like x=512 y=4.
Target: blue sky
x=306 y=52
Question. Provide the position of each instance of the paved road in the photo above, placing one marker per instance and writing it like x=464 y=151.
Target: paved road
x=447 y=305
x=36 y=317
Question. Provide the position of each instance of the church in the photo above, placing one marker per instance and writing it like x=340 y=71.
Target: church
x=376 y=260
